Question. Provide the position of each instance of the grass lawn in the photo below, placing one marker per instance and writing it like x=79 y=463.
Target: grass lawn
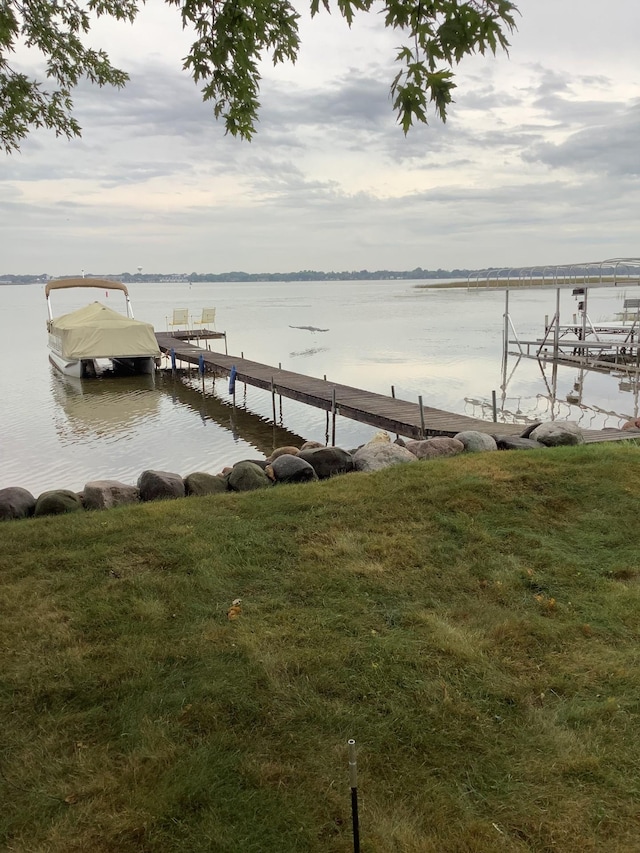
x=474 y=624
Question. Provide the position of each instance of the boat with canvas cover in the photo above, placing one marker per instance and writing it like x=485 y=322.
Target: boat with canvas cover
x=80 y=340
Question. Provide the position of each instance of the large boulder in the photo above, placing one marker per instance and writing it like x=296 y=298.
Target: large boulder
x=291 y=469
x=558 y=433
x=200 y=483
x=261 y=463
x=311 y=445
x=160 y=485
x=104 y=494
x=328 y=461
x=283 y=451
x=16 y=502
x=476 y=442
x=515 y=442
x=247 y=476
x=378 y=454
x=433 y=448
x=56 y=502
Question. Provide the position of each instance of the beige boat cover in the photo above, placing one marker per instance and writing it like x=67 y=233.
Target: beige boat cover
x=99 y=332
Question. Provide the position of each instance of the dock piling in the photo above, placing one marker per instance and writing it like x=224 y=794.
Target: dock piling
x=273 y=399
x=422 y=427
x=333 y=417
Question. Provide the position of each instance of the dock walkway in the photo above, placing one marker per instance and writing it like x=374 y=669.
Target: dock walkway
x=388 y=413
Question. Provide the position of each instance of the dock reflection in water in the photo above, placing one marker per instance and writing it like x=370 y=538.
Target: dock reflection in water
x=261 y=433
x=116 y=428
x=112 y=407
x=568 y=402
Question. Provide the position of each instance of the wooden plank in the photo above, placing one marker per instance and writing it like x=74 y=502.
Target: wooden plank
x=199 y=334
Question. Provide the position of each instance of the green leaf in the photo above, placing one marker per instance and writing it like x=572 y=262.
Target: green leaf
x=231 y=37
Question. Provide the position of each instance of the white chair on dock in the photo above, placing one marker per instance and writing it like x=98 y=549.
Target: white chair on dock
x=207 y=318
x=179 y=319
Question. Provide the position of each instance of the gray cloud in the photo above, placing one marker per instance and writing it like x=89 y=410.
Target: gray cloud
x=610 y=148
x=357 y=104
x=537 y=163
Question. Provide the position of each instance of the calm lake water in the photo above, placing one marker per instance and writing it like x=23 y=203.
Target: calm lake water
x=443 y=344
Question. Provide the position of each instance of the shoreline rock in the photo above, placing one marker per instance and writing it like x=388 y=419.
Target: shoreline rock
x=312 y=462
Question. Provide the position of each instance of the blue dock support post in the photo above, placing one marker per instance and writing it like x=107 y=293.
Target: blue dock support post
x=201 y=369
x=232 y=383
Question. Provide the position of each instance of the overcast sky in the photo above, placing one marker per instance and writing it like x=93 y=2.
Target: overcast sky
x=538 y=163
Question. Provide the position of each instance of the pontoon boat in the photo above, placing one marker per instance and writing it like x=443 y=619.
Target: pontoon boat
x=80 y=340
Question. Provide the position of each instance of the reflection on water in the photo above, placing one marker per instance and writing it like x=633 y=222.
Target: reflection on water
x=102 y=407
x=200 y=397
x=110 y=409
x=307 y=353
x=562 y=398
x=309 y=328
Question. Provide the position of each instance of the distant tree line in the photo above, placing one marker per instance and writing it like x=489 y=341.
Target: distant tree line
x=497 y=273
x=238 y=276
x=317 y=275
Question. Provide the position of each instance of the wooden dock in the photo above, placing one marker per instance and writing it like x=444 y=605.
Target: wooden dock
x=388 y=413
x=189 y=335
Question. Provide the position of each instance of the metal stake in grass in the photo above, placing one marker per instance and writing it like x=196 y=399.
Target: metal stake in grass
x=353 y=782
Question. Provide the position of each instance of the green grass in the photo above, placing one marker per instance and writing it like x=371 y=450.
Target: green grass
x=473 y=622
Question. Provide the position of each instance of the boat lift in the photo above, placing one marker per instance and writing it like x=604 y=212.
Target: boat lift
x=602 y=346
x=609 y=347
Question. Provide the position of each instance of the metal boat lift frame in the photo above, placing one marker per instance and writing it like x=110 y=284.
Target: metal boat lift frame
x=588 y=345
x=586 y=348
x=611 y=272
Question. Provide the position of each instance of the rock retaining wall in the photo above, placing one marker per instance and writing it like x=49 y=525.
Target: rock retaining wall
x=312 y=461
